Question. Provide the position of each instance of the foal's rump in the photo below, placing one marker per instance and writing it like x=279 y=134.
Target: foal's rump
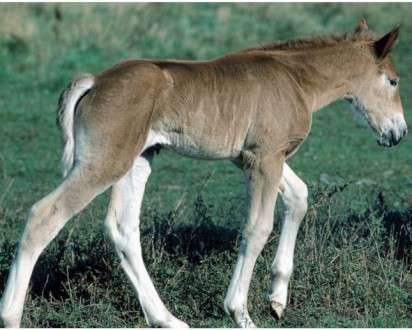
x=111 y=119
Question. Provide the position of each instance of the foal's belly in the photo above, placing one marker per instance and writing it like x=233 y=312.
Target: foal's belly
x=193 y=144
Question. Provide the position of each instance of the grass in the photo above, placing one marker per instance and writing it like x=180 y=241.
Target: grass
x=353 y=257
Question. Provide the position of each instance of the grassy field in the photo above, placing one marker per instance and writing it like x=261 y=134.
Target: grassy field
x=354 y=251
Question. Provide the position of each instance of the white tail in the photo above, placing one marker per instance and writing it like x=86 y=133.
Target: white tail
x=65 y=116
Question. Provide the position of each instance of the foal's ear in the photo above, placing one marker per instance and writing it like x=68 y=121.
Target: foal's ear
x=361 y=26
x=384 y=45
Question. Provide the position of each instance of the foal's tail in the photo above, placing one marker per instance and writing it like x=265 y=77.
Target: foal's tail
x=65 y=116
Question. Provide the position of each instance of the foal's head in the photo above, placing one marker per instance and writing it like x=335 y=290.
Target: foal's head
x=375 y=93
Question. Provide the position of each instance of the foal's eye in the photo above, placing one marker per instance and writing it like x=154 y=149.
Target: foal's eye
x=393 y=82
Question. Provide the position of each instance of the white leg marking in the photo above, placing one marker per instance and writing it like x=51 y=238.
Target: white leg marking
x=235 y=303
x=45 y=220
x=122 y=223
x=294 y=194
x=263 y=190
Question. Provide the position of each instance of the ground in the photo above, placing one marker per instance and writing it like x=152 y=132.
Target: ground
x=353 y=258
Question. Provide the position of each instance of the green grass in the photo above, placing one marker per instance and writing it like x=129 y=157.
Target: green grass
x=353 y=256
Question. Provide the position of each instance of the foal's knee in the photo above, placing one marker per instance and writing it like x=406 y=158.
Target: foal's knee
x=255 y=237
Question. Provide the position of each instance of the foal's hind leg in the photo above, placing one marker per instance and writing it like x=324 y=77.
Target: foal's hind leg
x=122 y=223
x=294 y=194
x=45 y=220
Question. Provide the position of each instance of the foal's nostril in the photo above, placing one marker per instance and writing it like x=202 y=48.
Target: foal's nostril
x=395 y=141
x=392 y=135
x=396 y=136
x=392 y=138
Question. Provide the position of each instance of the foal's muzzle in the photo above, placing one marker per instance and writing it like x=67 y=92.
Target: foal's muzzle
x=393 y=133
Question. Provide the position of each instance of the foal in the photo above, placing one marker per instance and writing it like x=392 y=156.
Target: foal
x=253 y=107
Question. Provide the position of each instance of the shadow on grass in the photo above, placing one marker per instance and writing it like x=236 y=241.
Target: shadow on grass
x=395 y=224
x=399 y=224
x=195 y=242
x=88 y=261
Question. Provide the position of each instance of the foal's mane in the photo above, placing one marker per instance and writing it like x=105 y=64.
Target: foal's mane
x=306 y=75
x=313 y=42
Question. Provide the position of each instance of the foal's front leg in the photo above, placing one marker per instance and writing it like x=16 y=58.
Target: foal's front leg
x=294 y=194
x=263 y=184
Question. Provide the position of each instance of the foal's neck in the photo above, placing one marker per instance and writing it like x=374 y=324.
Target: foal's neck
x=330 y=71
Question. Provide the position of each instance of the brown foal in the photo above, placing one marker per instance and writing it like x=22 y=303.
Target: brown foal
x=253 y=107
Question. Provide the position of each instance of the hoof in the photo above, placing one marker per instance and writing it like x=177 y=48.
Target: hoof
x=7 y=322
x=245 y=324
x=276 y=309
x=169 y=322
x=177 y=324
